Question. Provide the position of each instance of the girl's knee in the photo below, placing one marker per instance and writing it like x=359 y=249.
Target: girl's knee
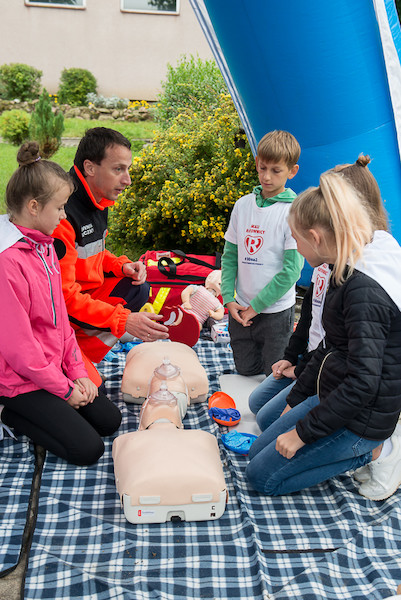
x=111 y=421
x=254 y=401
x=88 y=454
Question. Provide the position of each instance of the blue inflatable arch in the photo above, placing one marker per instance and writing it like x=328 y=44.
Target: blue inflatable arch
x=328 y=72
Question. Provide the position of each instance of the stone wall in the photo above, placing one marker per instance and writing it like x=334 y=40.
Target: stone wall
x=85 y=112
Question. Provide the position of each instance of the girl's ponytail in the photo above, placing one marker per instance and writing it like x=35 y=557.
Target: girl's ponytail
x=350 y=222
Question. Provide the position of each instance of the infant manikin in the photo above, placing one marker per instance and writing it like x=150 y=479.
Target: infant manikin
x=202 y=301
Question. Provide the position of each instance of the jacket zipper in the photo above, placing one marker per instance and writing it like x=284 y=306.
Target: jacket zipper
x=50 y=287
x=320 y=371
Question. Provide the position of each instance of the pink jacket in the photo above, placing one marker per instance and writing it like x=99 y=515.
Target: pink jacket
x=38 y=349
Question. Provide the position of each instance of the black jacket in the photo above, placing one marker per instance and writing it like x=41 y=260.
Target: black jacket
x=356 y=370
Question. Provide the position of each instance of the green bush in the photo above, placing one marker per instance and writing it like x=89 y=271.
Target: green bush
x=185 y=184
x=14 y=126
x=19 y=81
x=194 y=84
x=75 y=84
x=46 y=127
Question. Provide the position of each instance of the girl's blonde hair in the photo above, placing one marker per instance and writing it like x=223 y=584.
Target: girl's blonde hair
x=335 y=207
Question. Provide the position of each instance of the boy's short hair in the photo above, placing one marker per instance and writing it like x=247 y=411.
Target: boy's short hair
x=279 y=145
x=94 y=143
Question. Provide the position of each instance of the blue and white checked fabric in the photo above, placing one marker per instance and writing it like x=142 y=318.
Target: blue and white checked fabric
x=325 y=542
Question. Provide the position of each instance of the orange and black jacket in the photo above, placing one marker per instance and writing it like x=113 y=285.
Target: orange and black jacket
x=85 y=262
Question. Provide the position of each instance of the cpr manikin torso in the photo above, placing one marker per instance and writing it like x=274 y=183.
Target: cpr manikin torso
x=164 y=472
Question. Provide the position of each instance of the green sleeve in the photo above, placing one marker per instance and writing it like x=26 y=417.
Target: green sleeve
x=229 y=268
x=281 y=282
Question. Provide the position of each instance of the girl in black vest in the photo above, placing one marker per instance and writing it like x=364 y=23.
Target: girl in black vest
x=356 y=366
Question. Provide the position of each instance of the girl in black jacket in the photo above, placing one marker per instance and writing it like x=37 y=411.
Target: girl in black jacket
x=357 y=365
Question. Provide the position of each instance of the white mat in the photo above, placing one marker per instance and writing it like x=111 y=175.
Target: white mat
x=240 y=388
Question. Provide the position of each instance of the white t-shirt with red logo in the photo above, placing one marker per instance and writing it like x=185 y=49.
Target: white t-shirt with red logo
x=261 y=235
x=320 y=280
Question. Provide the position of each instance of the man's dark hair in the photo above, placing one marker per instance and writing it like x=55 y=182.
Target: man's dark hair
x=94 y=143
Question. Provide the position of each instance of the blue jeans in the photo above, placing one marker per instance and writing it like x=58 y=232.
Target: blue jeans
x=270 y=473
x=269 y=399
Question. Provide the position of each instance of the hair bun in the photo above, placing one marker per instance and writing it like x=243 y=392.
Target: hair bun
x=363 y=160
x=28 y=153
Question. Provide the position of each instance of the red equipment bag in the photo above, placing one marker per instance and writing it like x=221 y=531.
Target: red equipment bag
x=170 y=271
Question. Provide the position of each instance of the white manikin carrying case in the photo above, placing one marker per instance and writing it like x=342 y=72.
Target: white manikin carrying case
x=168 y=474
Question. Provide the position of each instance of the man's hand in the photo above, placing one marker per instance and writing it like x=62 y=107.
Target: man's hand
x=235 y=311
x=279 y=367
x=288 y=444
x=144 y=325
x=137 y=272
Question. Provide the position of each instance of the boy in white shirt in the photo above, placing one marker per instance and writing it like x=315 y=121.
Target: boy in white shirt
x=260 y=263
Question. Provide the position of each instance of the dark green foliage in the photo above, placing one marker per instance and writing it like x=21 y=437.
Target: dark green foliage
x=46 y=127
x=19 y=81
x=75 y=84
x=14 y=126
x=193 y=84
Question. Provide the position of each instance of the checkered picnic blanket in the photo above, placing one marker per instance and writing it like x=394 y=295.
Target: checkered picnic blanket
x=325 y=542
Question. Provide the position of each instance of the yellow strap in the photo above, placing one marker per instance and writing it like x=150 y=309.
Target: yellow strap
x=153 y=263
x=148 y=307
x=160 y=299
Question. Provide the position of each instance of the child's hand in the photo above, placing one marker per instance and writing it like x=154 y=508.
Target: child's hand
x=290 y=372
x=77 y=399
x=279 y=367
x=235 y=310
x=288 y=444
x=247 y=315
x=87 y=387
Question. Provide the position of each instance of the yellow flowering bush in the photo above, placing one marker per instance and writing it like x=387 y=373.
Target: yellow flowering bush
x=185 y=184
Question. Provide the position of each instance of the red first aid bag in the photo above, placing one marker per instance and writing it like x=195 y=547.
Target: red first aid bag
x=170 y=271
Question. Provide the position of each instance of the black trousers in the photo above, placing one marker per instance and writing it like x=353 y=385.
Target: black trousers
x=74 y=435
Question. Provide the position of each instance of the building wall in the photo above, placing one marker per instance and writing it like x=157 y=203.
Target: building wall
x=128 y=53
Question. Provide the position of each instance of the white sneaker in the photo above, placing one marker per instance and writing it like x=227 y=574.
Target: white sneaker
x=385 y=474
x=362 y=474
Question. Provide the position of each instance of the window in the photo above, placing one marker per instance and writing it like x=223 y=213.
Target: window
x=57 y=3
x=151 y=6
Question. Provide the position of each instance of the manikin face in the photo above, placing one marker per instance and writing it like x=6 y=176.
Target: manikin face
x=49 y=215
x=111 y=177
x=273 y=176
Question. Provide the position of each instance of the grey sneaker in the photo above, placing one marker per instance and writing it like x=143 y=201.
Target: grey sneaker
x=385 y=474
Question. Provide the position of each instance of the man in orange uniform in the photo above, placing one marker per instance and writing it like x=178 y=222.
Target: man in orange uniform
x=103 y=292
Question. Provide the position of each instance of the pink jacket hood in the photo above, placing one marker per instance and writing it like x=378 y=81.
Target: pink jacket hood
x=38 y=349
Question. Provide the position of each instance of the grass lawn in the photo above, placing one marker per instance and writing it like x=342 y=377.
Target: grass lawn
x=65 y=156
x=142 y=129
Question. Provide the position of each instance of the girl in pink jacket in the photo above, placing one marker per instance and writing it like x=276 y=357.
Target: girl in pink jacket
x=44 y=386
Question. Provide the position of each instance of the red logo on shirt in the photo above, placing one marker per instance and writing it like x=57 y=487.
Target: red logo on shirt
x=253 y=244
x=320 y=286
